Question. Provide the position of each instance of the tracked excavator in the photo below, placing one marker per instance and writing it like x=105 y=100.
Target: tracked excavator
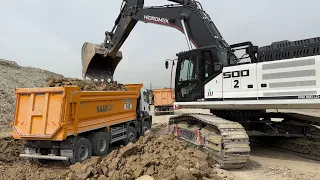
x=239 y=90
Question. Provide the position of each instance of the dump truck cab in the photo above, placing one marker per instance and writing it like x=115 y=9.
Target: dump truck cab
x=144 y=101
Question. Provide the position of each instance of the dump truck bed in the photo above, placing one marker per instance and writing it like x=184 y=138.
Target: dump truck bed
x=57 y=112
x=163 y=97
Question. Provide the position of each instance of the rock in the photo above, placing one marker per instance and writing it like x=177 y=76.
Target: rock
x=104 y=169
x=130 y=149
x=97 y=170
x=114 y=164
x=131 y=159
x=199 y=154
x=198 y=166
x=204 y=164
x=85 y=85
x=165 y=156
x=150 y=170
x=102 y=178
x=138 y=172
x=145 y=177
x=184 y=173
x=76 y=167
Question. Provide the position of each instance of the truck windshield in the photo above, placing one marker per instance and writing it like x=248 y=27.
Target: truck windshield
x=145 y=96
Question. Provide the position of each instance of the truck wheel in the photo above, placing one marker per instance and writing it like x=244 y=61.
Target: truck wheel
x=145 y=126
x=131 y=135
x=81 y=151
x=100 y=143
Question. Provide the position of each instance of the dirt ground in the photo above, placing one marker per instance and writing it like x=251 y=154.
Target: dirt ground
x=265 y=163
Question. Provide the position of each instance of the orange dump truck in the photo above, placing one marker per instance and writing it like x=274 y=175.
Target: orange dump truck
x=65 y=123
x=163 y=101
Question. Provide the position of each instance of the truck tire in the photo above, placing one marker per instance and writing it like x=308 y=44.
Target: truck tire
x=100 y=143
x=82 y=150
x=145 y=126
x=131 y=135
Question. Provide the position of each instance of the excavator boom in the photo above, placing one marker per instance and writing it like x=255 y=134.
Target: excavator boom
x=99 y=61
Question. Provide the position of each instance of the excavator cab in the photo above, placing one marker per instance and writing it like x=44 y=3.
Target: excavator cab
x=97 y=64
x=195 y=68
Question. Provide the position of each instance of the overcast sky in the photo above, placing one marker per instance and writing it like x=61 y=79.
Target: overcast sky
x=42 y=32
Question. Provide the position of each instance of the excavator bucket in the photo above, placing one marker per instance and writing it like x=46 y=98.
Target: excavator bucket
x=96 y=65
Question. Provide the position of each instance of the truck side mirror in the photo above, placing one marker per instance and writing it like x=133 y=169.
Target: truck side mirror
x=167 y=64
x=218 y=67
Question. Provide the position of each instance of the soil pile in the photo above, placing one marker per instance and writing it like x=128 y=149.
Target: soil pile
x=85 y=85
x=10 y=150
x=152 y=156
x=14 y=76
x=14 y=167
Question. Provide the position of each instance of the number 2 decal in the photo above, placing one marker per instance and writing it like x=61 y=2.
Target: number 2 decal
x=236 y=83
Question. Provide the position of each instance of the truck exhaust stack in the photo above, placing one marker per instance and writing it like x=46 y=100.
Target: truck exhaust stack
x=97 y=64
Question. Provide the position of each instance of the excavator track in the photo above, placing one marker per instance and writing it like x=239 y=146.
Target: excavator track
x=226 y=140
x=307 y=146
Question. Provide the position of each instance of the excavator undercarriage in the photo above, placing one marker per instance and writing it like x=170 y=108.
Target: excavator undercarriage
x=226 y=140
x=225 y=134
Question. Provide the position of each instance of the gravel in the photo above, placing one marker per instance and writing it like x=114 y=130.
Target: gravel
x=14 y=76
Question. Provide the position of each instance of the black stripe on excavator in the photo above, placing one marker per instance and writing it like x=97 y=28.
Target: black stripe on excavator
x=264 y=98
x=289 y=49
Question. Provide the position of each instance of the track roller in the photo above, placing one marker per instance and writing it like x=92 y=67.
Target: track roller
x=226 y=140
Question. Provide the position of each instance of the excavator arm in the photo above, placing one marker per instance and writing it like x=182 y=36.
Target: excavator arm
x=187 y=16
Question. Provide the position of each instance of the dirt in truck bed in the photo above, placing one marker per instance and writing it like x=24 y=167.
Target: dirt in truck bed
x=85 y=85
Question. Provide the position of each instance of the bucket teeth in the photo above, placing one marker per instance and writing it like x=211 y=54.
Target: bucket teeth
x=97 y=63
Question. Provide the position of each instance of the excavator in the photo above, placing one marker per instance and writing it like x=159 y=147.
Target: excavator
x=238 y=89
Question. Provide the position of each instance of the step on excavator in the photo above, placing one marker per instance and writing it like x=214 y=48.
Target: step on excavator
x=239 y=90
